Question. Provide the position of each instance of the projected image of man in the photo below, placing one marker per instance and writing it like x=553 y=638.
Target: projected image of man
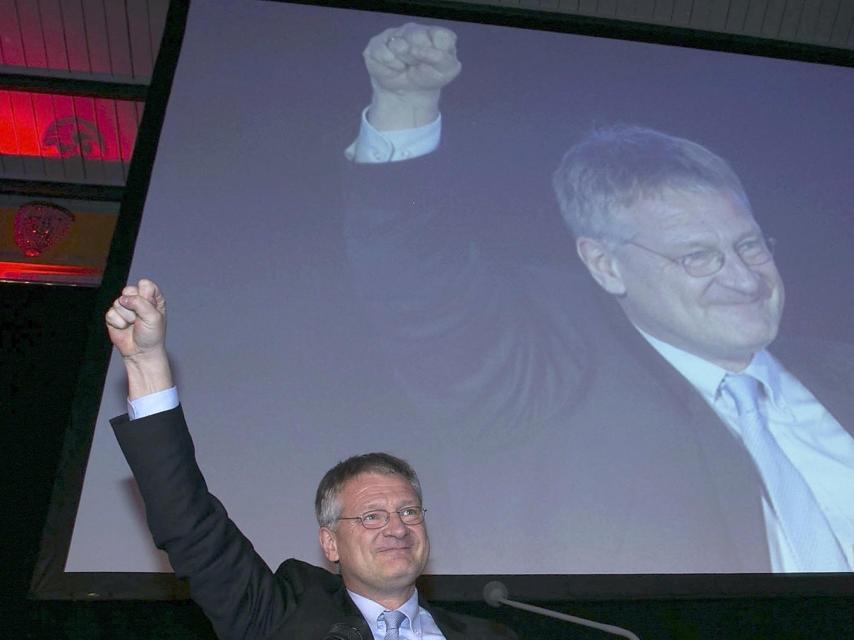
x=664 y=411
x=664 y=226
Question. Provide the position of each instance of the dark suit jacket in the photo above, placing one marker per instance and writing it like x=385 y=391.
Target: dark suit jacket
x=638 y=472
x=236 y=589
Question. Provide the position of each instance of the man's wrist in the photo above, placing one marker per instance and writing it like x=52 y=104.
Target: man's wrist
x=148 y=373
x=390 y=111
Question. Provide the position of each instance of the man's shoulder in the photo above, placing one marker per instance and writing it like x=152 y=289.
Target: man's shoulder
x=790 y=344
x=303 y=576
x=566 y=293
x=834 y=358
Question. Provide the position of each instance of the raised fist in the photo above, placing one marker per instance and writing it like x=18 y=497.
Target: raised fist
x=136 y=322
x=412 y=58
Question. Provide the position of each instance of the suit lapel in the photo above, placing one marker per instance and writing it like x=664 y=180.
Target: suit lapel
x=352 y=615
x=729 y=489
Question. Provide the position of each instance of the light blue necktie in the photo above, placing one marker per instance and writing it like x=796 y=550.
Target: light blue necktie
x=804 y=523
x=392 y=624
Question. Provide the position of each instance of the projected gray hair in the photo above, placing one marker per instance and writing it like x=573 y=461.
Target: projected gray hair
x=613 y=168
x=327 y=507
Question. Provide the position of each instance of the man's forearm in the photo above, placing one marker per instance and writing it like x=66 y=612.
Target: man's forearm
x=148 y=374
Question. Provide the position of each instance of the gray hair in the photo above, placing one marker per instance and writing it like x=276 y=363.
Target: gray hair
x=613 y=168
x=327 y=507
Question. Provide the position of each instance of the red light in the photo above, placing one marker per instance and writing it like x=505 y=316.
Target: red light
x=50 y=273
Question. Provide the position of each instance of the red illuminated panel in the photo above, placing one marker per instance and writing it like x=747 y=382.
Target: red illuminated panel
x=57 y=126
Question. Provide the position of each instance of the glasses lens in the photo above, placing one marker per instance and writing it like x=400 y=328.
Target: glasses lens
x=703 y=263
x=375 y=519
x=755 y=252
x=378 y=518
x=412 y=515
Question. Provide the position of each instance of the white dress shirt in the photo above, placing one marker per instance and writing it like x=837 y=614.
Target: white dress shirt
x=153 y=403
x=418 y=624
x=374 y=147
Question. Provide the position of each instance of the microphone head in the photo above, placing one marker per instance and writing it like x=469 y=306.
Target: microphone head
x=494 y=593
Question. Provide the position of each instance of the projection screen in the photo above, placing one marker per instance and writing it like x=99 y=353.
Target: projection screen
x=436 y=308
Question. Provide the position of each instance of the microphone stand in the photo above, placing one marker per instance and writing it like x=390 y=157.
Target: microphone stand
x=495 y=594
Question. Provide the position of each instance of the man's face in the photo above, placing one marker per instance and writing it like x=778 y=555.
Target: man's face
x=724 y=317
x=377 y=563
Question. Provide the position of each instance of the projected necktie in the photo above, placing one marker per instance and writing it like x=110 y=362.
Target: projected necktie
x=392 y=624
x=804 y=523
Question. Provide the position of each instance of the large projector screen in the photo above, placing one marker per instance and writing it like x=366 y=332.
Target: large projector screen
x=436 y=308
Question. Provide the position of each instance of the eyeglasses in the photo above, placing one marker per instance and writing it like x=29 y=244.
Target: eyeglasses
x=378 y=518
x=707 y=262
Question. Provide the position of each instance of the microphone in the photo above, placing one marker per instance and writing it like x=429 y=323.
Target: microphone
x=343 y=631
x=495 y=594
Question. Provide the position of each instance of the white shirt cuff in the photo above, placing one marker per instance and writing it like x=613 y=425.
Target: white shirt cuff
x=374 y=147
x=153 y=403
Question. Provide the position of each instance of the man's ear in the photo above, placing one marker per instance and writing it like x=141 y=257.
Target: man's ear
x=329 y=544
x=600 y=262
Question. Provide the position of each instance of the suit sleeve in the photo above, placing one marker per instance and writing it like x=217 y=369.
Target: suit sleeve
x=228 y=579
x=473 y=341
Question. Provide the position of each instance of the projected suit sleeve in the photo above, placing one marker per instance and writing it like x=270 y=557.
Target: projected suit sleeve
x=472 y=340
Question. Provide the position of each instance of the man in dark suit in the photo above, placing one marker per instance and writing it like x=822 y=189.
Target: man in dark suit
x=666 y=436
x=369 y=509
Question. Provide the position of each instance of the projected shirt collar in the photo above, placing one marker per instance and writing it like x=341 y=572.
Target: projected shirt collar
x=706 y=377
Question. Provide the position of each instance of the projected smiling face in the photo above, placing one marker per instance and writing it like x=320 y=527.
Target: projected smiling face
x=723 y=314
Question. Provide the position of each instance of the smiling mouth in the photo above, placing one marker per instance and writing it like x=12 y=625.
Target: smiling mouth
x=740 y=304
x=744 y=302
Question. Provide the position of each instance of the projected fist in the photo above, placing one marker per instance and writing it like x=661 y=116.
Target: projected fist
x=412 y=58
x=136 y=323
x=408 y=66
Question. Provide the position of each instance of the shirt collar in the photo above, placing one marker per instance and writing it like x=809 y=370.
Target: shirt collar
x=767 y=370
x=372 y=611
x=707 y=377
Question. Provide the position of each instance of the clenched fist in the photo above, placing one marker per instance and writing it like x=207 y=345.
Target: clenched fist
x=412 y=58
x=136 y=324
x=408 y=67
